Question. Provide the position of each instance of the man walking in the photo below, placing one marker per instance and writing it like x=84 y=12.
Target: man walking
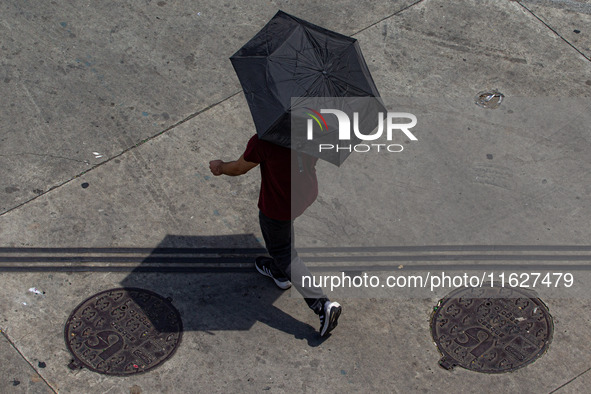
x=288 y=187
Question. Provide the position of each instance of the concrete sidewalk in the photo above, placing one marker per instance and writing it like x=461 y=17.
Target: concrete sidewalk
x=111 y=113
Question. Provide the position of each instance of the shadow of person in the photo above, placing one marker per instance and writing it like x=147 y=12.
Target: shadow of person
x=216 y=289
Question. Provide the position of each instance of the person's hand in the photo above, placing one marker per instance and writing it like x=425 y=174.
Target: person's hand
x=215 y=167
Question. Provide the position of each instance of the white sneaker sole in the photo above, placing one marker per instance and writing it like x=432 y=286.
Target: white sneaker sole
x=332 y=317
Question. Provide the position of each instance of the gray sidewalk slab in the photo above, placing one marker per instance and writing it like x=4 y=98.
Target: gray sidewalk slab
x=524 y=185
x=269 y=341
x=82 y=83
x=579 y=384
x=16 y=374
x=569 y=19
x=451 y=48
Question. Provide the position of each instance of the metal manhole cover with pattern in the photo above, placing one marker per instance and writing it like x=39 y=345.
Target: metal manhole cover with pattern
x=491 y=329
x=123 y=331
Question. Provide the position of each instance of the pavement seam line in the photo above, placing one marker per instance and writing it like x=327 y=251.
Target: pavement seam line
x=387 y=17
x=570 y=381
x=188 y=118
x=27 y=361
x=553 y=30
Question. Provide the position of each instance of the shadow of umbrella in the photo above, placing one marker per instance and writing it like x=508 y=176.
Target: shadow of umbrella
x=215 y=289
x=185 y=284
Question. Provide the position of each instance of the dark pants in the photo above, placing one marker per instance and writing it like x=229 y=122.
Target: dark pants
x=279 y=241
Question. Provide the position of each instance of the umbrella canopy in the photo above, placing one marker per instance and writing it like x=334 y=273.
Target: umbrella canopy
x=292 y=58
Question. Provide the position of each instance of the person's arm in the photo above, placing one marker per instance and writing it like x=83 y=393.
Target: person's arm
x=231 y=168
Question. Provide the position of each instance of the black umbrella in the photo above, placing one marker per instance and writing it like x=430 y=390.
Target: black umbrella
x=291 y=58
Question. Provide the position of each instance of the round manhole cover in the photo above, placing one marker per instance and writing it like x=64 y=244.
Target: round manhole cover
x=492 y=329
x=123 y=331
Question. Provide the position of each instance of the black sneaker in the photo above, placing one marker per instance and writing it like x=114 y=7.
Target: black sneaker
x=329 y=317
x=263 y=265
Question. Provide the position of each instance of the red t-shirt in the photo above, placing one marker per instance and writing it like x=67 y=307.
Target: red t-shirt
x=280 y=169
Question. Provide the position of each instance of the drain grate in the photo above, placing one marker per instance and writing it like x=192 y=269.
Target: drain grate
x=492 y=329
x=123 y=331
